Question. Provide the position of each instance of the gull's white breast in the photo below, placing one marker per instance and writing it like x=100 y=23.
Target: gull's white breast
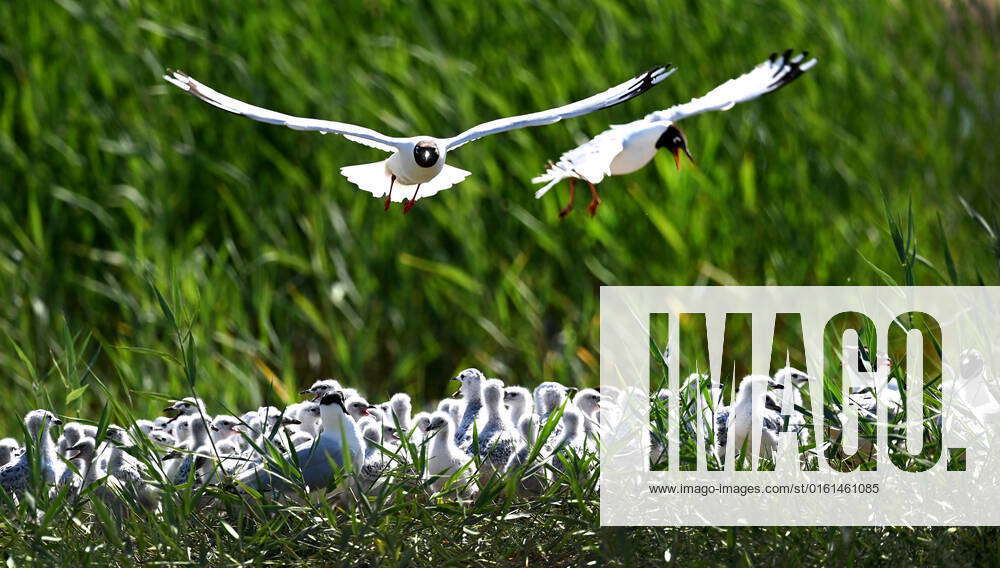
x=638 y=148
x=404 y=166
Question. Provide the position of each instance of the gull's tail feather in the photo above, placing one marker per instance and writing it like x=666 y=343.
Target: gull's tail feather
x=554 y=174
x=448 y=177
x=375 y=179
x=547 y=187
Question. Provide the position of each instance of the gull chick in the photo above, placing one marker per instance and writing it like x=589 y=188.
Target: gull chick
x=498 y=435
x=444 y=459
x=518 y=401
x=588 y=401
x=16 y=475
x=81 y=455
x=189 y=406
x=358 y=408
x=734 y=423
x=401 y=408
x=321 y=388
x=471 y=391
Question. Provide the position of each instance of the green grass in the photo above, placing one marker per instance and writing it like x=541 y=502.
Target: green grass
x=114 y=185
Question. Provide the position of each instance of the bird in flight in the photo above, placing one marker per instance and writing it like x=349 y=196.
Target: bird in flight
x=417 y=166
x=624 y=148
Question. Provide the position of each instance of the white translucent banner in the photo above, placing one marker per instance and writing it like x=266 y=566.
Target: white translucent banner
x=905 y=442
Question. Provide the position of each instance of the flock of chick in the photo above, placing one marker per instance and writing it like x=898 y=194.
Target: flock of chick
x=337 y=441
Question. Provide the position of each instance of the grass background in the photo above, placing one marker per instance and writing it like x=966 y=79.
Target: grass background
x=113 y=185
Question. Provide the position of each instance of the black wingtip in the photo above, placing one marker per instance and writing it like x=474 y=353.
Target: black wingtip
x=788 y=71
x=644 y=82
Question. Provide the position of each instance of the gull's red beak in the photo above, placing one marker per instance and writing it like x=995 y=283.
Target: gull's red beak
x=677 y=156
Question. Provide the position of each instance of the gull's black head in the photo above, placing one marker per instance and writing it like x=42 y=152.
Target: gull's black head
x=334 y=398
x=426 y=154
x=673 y=139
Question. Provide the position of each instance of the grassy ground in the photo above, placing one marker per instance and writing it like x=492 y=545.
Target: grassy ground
x=114 y=185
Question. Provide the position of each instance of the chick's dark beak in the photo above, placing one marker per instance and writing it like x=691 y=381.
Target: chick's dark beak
x=305 y=391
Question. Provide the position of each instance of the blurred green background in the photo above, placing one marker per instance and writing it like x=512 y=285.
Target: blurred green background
x=113 y=184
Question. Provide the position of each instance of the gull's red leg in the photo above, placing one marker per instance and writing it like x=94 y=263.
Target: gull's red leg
x=595 y=200
x=413 y=200
x=388 y=200
x=572 y=193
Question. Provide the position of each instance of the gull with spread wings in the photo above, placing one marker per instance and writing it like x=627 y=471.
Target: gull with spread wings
x=624 y=148
x=417 y=166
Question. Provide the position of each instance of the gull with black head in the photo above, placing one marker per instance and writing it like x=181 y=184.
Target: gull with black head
x=340 y=438
x=624 y=148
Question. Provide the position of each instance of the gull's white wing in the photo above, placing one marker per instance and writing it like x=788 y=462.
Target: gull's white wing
x=590 y=161
x=771 y=75
x=358 y=134
x=615 y=95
